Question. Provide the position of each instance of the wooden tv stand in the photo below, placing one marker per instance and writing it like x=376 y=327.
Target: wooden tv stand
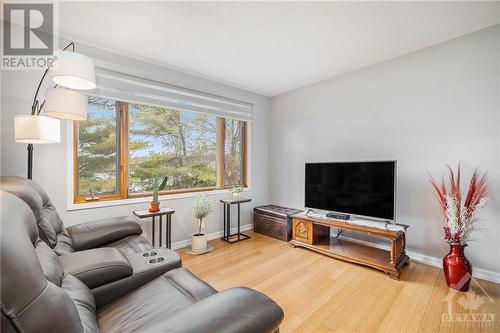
x=314 y=233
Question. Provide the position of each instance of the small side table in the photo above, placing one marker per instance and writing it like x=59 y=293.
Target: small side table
x=227 y=220
x=142 y=214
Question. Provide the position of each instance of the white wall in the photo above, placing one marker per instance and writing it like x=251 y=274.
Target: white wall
x=436 y=106
x=50 y=160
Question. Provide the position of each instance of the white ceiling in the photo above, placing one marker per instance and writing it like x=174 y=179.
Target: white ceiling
x=270 y=47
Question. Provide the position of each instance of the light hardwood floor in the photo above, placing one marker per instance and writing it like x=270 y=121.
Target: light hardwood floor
x=321 y=294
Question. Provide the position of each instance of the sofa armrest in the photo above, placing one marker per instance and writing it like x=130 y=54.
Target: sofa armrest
x=101 y=232
x=236 y=310
x=97 y=267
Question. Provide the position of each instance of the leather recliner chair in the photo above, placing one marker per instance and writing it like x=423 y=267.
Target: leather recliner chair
x=107 y=255
x=122 y=232
x=38 y=296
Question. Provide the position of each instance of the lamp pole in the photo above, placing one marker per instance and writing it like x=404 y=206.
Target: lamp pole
x=30 y=161
x=35 y=109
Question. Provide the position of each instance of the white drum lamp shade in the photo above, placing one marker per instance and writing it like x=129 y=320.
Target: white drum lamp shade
x=36 y=129
x=66 y=104
x=73 y=70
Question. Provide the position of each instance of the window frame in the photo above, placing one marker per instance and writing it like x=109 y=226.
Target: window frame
x=123 y=165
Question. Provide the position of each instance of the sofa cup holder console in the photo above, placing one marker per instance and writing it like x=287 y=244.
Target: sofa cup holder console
x=151 y=253
x=156 y=260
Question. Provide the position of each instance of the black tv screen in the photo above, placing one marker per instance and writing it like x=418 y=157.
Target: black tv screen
x=357 y=188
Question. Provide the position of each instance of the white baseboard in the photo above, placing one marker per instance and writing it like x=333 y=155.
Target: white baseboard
x=432 y=261
x=480 y=273
x=214 y=235
x=416 y=256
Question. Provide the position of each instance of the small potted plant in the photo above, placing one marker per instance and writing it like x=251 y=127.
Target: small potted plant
x=460 y=221
x=202 y=208
x=236 y=191
x=155 y=204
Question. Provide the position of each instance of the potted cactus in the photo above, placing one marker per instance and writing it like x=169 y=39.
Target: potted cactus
x=202 y=206
x=155 y=203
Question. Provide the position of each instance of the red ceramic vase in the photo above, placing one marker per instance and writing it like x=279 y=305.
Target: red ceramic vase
x=457 y=269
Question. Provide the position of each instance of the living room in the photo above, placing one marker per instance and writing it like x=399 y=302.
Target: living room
x=250 y=166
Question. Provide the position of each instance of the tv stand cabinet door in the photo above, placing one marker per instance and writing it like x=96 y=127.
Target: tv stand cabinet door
x=302 y=231
x=308 y=232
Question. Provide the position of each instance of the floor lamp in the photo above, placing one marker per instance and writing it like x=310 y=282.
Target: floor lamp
x=69 y=70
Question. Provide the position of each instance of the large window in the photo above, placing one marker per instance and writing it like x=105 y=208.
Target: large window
x=121 y=148
x=233 y=151
x=98 y=151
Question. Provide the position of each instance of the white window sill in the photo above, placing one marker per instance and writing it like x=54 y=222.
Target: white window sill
x=131 y=201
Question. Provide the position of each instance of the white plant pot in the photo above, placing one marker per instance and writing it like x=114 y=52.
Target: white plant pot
x=199 y=243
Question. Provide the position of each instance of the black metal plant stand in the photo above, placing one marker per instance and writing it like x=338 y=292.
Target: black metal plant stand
x=227 y=220
x=168 y=231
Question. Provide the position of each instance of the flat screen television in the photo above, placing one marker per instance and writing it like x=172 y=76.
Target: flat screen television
x=366 y=189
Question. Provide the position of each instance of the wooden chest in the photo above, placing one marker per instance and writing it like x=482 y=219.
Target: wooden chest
x=274 y=221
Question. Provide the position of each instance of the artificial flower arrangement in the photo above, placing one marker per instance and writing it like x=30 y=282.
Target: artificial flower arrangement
x=459 y=214
x=460 y=221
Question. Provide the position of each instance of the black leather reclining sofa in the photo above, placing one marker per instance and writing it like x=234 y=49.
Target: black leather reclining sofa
x=123 y=233
x=103 y=276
